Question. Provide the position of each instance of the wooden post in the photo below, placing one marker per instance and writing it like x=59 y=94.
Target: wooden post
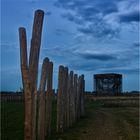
x=35 y=47
x=33 y=63
x=68 y=100
x=65 y=84
x=71 y=97
x=75 y=96
x=60 y=110
x=79 y=98
x=82 y=95
x=49 y=97
x=26 y=84
x=41 y=111
x=73 y=101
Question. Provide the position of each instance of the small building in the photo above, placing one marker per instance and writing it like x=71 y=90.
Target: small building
x=108 y=84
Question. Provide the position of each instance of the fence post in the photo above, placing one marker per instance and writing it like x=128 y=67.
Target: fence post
x=33 y=63
x=49 y=96
x=82 y=95
x=68 y=100
x=60 y=119
x=26 y=84
x=65 y=87
x=79 y=98
x=41 y=104
x=71 y=97
x=75 y=96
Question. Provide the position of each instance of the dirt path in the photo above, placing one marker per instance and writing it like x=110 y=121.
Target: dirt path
x=105 y=123
x=110 y=124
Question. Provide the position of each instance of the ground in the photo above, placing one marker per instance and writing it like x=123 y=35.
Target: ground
x=101 y=122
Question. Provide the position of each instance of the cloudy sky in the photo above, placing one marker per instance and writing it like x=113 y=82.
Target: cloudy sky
x=88 y=36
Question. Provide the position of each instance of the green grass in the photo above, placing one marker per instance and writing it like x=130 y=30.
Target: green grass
x=12 y=119
x=101 y=122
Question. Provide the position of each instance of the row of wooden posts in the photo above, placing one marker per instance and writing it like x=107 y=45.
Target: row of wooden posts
x=70 y=101
x=38 y=101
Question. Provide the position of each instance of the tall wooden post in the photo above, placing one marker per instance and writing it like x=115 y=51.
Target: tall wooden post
x=26 y=84
x=79 y=97
x=76 y=99
x=33 y=63
x=65 y=87
x=75 y=96
x=71 y=97
x=82 y=95
x=49 y=98
x=68 y=100
x=41 y=104
x=60 y=118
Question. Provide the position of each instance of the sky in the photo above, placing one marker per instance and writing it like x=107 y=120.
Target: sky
x=88 y=36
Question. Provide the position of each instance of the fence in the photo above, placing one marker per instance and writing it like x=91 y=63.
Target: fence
x=70 y=102
x=11 y=97
x=38 y=103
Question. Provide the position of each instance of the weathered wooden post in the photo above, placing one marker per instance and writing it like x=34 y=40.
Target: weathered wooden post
x=49 y=97
x=33 y=63
x=71 y=97
x=26 y=84
x=75 y=96
x=65 y=85
x=30 y=73
x=79 y=97
x=82 y=95
x=73 y=101
x=41 y=103
x=68 y=100
x=60 y=108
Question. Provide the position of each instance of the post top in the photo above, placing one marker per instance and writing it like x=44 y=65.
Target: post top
x=39 y=11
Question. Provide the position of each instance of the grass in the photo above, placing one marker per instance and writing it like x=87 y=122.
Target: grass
x=101 y=122
x=12 y=119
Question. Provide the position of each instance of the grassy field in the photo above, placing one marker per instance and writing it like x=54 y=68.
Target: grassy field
x=12 y=117
x=102 y=122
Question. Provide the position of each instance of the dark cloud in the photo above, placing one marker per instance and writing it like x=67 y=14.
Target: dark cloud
x=71 y=4
x=100 y=30
x=104 y=67
x=107 y=7
x=97 y=27
x=92 y=13
x=130 y=17
x=88 y=7
x=73 y=18
x=99 y=66
x=101 y=57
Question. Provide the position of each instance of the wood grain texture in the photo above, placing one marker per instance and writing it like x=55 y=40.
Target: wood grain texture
x=26 y=84
x=41 y=104
x=49 y=97
x=60 y=118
